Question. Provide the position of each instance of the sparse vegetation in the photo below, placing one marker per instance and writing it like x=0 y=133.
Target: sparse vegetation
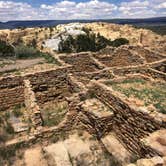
x=88 y=116
x=33 y=42
x=141 y=89
x=24 y=52
x=17 y=111
x=50 y=59
x=6 y=129
x=54 y=113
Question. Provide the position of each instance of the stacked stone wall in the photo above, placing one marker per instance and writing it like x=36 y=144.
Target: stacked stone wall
x=154 y=73
x=119 y=58
x=129 y=125
x=81 y=63
x=86 y=77
x=149 y=55
x=142 y=70
x=33 y=110
x=160 y=66
x=47 y=85
x=51 y=85
x=11 y=92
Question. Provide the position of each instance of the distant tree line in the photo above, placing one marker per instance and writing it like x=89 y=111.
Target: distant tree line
x=88 y=42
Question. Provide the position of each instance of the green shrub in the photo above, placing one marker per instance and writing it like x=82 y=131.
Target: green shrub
x=86 y=30
x=119 y=42
x=66 y=45
x=6 y=50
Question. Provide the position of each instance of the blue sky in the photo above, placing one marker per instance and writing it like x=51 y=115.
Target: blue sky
x=80 y=9
x=49 y=2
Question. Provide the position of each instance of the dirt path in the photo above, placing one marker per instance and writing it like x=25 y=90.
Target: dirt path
x=21 y=64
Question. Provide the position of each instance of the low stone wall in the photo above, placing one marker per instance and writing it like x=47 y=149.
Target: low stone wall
x=10 y=82
x=85 y=77
x=128 y=70
x=149 y=55
x=154 y=74
x=33 y=110
x=95 y=125
x=50 y=85
x=69 y=124
x=47 y=85
x=140 y=69
x=160 y=66
x=11 y=92
x=129 y=125
x=81 y=63
x=120 y=58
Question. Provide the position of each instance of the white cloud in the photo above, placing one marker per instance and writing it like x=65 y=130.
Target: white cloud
x=18 y=11
x=141 y=8
x=92 y=9
x=134 y=8
x=161 y=5
x=84 y=10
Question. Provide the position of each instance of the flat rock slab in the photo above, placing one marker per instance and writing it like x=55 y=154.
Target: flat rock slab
x=59 y=154
x=157 y=141
x=97 y=107
x=76 y=146
x=116 y=148
x=75 y=151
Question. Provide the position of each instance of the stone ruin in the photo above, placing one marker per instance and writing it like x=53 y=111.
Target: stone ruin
x=81 y=79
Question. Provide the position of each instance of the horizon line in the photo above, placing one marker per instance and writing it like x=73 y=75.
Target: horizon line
x=87 y=19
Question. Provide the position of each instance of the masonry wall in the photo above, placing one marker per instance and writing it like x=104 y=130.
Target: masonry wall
x=120 y=58
x=47 y=86
x=33 y=110
x=81 y=63
x=130 y=126
x=11 y=92
x=51 y=85
x=140 y=69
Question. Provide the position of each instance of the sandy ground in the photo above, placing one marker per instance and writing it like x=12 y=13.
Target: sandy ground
x=21 y=64
x=34 y=157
